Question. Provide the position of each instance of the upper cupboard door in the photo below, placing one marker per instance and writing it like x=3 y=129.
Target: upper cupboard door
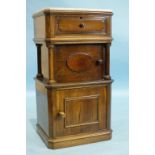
x=77 y=63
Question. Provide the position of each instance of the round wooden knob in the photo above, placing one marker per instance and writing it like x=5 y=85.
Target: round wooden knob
x=81 y=25
x=62 y=114
x=99 y=62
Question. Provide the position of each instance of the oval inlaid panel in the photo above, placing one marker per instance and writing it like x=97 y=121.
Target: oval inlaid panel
x=79 y=62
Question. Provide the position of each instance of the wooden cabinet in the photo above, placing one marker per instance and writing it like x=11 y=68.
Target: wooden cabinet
x=73 y=83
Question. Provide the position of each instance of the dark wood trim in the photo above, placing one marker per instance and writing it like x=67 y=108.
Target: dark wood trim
x=39 y=73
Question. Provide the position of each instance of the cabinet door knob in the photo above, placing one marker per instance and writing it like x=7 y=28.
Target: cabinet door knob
x=62 y=114
x=81 y=25
x=99 y=62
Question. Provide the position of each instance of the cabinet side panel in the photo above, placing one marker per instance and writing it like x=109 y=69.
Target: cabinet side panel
x=39 y=27
x=42 y=107
x=108 y=107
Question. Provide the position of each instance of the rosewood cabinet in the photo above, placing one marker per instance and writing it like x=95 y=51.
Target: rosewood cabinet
x=73 y=83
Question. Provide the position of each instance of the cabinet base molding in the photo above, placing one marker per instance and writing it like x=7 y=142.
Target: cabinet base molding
x=73 y=140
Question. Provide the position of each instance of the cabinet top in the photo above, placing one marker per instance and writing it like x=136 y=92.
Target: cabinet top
x=71 y=11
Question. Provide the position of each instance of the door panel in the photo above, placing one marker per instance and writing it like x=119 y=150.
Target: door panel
x=76 y=63
x=80 y=110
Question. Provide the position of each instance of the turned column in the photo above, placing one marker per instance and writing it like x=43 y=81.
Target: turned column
x=39 y=72
x=51 y=63
x=107 y=63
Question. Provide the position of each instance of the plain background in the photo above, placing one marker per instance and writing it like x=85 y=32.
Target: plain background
x=13 y=77
x=119 y=72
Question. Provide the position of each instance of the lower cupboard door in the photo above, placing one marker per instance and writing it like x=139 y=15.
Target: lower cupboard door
x=80 y=110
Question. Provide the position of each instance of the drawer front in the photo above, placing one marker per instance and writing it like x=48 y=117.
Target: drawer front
x=82 y=25
x=77 y=63
x=80 y=111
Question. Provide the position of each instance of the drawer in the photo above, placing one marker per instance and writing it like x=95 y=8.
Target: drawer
x=74 y=25
x=77 y=63
x=80 y=110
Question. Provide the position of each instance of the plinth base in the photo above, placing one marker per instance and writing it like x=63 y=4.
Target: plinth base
x=73 y=140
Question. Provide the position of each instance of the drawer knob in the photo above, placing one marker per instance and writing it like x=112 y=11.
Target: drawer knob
x=61 y=115
x=99 y=62
x=81 y=25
